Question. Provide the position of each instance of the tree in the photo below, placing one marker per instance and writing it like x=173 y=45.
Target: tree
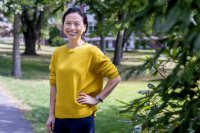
x=172 y=105
x=119 y=41
x=16 y=7
x=32 y=18
x=16 y=61
x=32 y=26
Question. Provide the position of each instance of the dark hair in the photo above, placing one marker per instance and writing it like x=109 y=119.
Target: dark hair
x=81 y=13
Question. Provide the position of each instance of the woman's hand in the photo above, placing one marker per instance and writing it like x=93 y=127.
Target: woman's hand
x=86 y=99
x=50 y=124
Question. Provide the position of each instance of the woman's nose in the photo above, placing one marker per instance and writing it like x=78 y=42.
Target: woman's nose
x=72 y=26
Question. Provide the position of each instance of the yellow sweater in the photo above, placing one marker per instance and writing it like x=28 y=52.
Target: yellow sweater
x=77 y=70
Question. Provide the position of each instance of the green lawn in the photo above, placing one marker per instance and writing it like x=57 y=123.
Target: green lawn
x=35 y=94
x=33 y=91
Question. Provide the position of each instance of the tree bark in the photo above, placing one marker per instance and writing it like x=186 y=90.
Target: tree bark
x=102 y=44
x=30 y=41
x=16 y=61
x=118 y=49
x=126 y=35
x=32 y=29
x=118 y=43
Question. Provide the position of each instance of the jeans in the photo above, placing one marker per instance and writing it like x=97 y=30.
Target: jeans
x=74 y=125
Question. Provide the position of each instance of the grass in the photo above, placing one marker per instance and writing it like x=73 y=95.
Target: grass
x=35 y=94
x=33 y=91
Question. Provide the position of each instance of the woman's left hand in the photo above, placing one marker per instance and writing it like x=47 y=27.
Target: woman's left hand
x=86 y=99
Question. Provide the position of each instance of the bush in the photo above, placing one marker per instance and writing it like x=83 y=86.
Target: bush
x=53 y=32
x=57 y=41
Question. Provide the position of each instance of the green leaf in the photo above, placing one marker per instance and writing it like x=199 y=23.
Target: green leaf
x=172 y=18
x=157 y=24
x=155 y=73
x=197 y=42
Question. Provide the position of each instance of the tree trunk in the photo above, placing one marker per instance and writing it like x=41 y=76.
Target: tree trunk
x=32 y=29
x=126 y=35
x=30 y=42
x=16 y=63
x=118 y=48
x=118 y=42
x=102 y=44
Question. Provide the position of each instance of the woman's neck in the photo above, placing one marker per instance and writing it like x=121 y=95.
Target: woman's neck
x=75 y=43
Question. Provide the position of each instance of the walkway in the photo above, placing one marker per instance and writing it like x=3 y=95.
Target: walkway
x=11 y=119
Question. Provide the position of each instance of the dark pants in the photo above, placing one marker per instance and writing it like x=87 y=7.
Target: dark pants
x=70 y=125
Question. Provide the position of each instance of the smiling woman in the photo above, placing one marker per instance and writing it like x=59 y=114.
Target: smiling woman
x=75 y=25
x=76 y=77
x=74 y=28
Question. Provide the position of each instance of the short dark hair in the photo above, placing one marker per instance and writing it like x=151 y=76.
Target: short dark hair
x=81 y=13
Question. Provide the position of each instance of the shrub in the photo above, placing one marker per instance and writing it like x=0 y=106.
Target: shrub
x=53 y=32
x=58 y=41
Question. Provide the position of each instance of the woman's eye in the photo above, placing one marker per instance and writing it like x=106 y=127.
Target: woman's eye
x=67 y=23
x=77 y=24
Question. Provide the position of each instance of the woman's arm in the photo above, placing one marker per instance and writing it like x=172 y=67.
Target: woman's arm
x=51 y=120
x=109 y=87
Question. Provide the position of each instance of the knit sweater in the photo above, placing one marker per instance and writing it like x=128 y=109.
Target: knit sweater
x=76 y=70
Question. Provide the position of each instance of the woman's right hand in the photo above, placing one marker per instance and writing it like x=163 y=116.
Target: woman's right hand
x=50 y=124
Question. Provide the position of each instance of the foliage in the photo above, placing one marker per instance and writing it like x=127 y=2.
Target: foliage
x=33 y=14
x=111 y=16
x=173 y=105
x=111 y=9
x=58 y=41
x=53 y=32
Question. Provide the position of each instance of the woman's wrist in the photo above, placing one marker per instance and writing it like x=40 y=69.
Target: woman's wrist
x=51 y=114
x=99 y=99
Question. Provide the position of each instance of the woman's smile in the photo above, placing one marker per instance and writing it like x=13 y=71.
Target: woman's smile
x=74 y=26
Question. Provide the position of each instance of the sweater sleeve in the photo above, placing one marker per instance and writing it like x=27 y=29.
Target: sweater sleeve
x=104 y=66
x=52 y=75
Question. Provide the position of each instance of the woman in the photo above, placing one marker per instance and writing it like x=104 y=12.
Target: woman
x=76 y=78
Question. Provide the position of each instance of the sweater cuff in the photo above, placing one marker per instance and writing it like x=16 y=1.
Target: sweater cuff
x=52 y=80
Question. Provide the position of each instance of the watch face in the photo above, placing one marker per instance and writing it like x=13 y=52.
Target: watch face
x=99 y=98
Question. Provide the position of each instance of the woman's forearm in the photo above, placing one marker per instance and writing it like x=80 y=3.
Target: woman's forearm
x=110 y=85
x=52 y=101
x=87 y=99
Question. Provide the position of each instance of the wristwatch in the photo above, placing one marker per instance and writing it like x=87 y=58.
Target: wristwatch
x=99 y=98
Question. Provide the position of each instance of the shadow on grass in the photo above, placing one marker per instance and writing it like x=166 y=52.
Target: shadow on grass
x=5 y=65
x=32 y=68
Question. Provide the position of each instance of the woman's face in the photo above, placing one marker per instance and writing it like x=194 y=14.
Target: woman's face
x=73 y=26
